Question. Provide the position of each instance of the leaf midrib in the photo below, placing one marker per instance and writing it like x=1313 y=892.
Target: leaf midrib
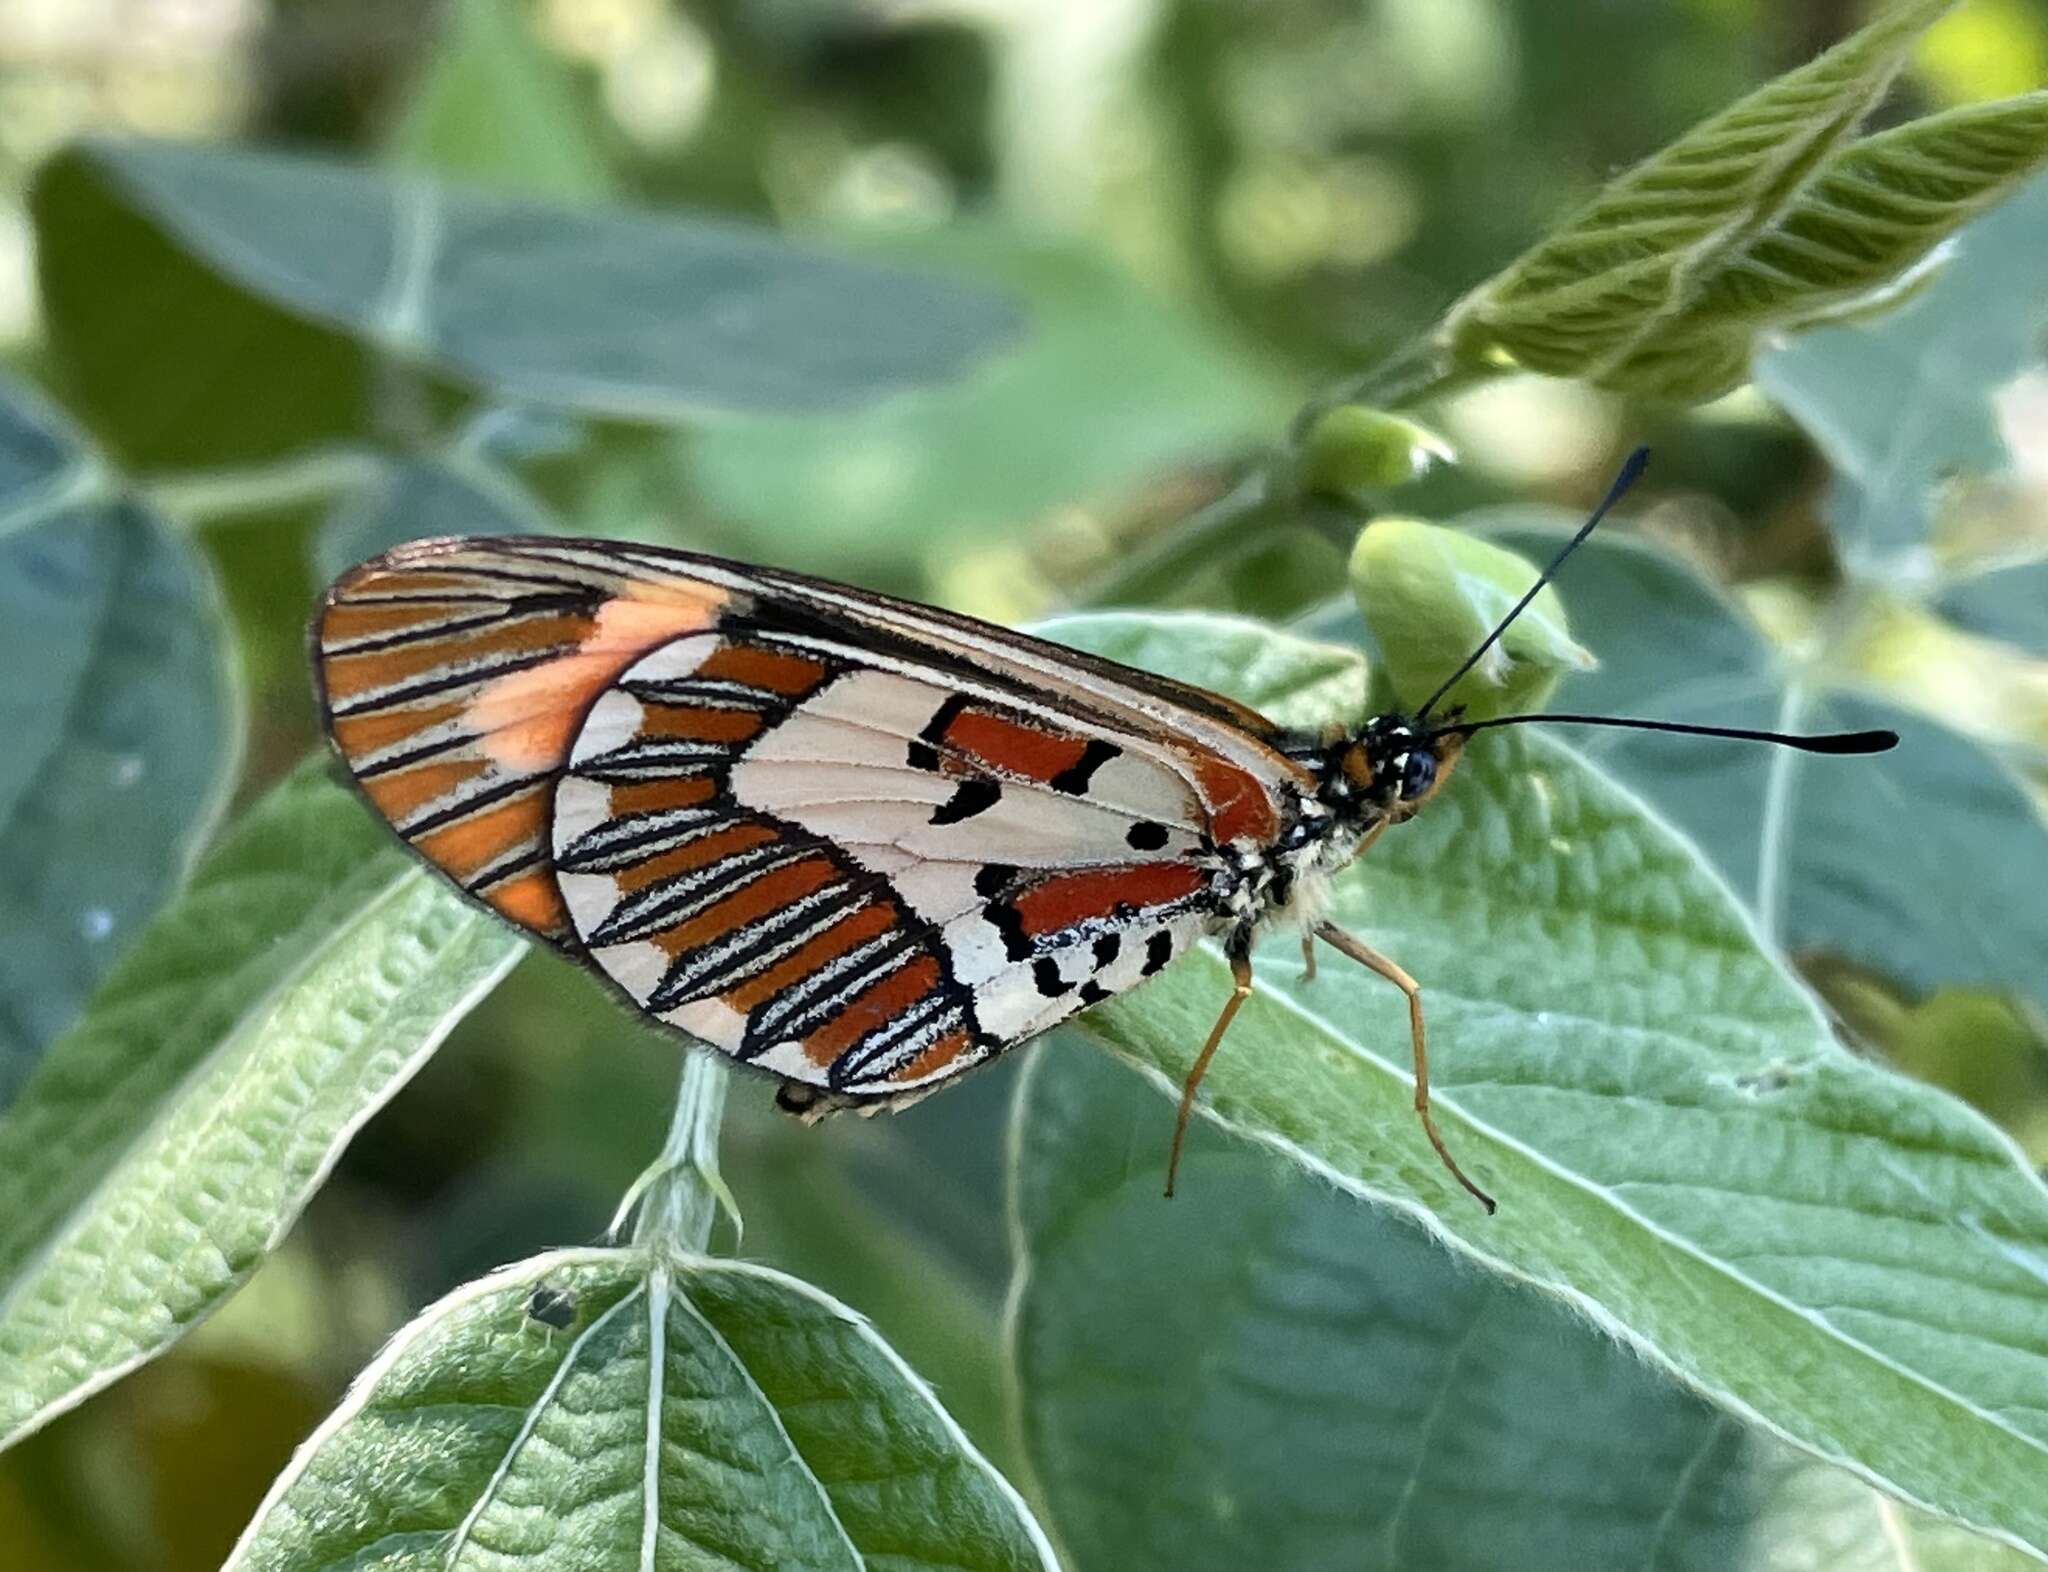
x=1649 y=1229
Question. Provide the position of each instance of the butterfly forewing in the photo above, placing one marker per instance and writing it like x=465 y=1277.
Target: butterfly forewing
x=859 y=844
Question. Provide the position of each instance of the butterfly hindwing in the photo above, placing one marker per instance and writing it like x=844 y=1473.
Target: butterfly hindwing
x=774 y=816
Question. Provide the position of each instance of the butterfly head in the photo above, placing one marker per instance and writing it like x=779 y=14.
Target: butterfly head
x=1389 y=767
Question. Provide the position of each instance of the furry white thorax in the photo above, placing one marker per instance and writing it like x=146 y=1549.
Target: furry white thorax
x=1290 y=879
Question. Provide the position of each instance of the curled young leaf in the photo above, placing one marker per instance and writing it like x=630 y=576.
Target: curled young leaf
x=1431 y=595
x=1765 y=217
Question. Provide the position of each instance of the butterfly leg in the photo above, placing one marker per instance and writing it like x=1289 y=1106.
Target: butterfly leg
x=1308 y=935
x=1239 y=948
x=1366 y=955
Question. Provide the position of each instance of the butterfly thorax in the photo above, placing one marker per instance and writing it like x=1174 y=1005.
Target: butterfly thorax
x=1363 y=781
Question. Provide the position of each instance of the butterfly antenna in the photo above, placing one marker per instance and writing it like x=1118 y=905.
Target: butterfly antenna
x=1824 y=742
x=1631 y=472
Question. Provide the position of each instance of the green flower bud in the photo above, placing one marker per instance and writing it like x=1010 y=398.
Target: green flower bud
x=1354 y=452
x=1430 y=595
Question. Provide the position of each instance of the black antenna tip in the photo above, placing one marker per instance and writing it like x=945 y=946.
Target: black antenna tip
x=1851 y=742
x=1625 y=478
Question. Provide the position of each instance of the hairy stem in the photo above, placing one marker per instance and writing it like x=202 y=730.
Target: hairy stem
x=680 y=1196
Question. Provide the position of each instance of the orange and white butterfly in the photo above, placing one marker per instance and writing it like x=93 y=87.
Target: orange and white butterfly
x=857 y=843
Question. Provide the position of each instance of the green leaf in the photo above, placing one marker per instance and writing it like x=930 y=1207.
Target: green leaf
x=1113 y=385
x=1431 y=596
x=1635 y=291
x=496 y=108
x=1924 y=864
x=1857 y=241
x=165 y=1145
x=1812 y=1518
x=1265 y=1374
x=696 y=1413
x=119 y=712
x=605 y=311
x=1681 y=1150
x=902 y=1217
x=2007 y=601
x=1903 y=406
x=417 y=498
x=172 y=364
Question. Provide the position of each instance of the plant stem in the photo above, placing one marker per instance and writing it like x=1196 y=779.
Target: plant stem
x=1429 y=367
x=199 y=497
x=1156 y=570
x=681 y=1194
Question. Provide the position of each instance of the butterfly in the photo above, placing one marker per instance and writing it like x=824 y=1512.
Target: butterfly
x=860 y=844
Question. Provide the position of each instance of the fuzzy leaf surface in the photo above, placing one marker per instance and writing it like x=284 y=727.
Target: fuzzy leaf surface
x=1266 y=1374
x=1682 y=1151
x=1764 y=216
x=694 y=1413
x=167 y=1142
x=118 y=711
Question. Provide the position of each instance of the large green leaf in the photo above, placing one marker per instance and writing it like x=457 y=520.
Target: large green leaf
x=605 y=311
x=2007 y=601
x=1925 y=863
x=1902 y=406
x=1266 y=1374
x=417 y=498
x=1112 y=385
x=171 y=363
x=1682 y=1151
x=165 y=1144
x=695 y=1413
x=1813 y=1518
x=495 y=107
x=118 y=710
x=1762 y=217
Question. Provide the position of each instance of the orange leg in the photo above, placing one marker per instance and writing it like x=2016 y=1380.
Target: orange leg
x=1241 y=972
x=1366 y=955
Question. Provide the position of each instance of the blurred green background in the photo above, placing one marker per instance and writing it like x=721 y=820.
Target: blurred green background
x=1210 y=207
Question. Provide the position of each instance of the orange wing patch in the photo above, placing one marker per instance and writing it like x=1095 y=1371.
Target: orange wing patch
x=1239 y=807
x=454 y=676
x=1012 y=747
x=1066 y=900
x=873 y=1008
x=866 y=922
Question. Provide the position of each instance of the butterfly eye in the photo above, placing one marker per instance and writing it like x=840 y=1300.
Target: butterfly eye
x=1418 y=773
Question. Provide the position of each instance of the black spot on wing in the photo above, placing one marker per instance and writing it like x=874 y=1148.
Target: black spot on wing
x=1009 y=922
x=993 y=878
x=1073 y=780
x=1158 y=951
x=1106 y=949
x=1045 y=974
x=1092 y=992
x=975 y=795
x=1146 y=836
